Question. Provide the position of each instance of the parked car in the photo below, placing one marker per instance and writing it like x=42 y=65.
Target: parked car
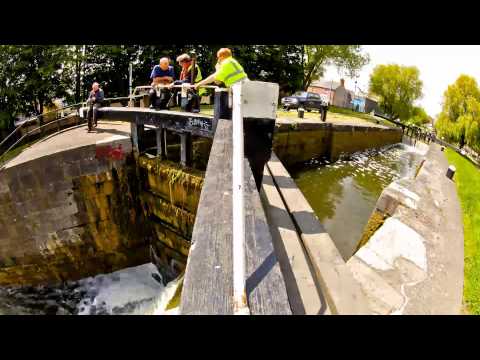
x=308 y=100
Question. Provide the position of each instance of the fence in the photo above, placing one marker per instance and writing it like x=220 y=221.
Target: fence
x=41 y=126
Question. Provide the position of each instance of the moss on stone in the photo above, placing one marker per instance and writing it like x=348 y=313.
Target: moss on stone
x=419 y=167
x=175 y=300
x=374 y=223
x=180 y=186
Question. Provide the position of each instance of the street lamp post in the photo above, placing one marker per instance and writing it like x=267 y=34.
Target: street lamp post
x=354 y=94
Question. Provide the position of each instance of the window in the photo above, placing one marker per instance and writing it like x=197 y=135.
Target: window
x=313 y=96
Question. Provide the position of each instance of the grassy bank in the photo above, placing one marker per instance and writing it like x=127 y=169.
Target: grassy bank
x=12 y=153
x=334 y=114
x=467 y=179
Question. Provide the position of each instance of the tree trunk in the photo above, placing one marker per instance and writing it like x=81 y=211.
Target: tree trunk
x=308 y=78
x=303 y=66
x=77 y=78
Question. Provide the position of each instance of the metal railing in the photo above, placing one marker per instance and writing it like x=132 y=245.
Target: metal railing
x=148 y=87
x=38 y=118
x=4 y=154
x=417 y=132
x=75 y=107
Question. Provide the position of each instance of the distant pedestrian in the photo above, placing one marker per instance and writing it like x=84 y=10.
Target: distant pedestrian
x=94 y=102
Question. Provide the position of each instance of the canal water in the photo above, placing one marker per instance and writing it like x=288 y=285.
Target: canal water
x=132 y=291
x=343 y=194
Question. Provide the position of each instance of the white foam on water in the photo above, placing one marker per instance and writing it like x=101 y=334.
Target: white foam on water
x=413 y=149
x=134 y=290
x=165 y=297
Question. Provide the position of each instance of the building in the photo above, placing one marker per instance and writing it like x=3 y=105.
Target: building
x=336 y=92
x=371 y=104
x=340 y=96
x=358 y=103
x=326 y=88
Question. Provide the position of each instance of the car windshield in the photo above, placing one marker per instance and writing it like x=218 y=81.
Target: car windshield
x=300 y=93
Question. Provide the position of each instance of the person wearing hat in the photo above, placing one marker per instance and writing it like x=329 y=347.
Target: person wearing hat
x=186 y=63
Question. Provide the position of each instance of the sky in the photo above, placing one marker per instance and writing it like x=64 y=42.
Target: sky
x=439 y=65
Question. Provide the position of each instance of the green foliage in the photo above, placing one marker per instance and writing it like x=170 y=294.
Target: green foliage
x=5 y=121
x=31 y=77
x=108 y=64
x=272 y=63
x=459 y=120
x=398 y=87
x=316 y=57
x=418 y=117
x=467 y=179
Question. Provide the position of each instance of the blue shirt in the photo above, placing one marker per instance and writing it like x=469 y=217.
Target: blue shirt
x=158 y=72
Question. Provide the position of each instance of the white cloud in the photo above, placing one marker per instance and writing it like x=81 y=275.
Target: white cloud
x=439 y=65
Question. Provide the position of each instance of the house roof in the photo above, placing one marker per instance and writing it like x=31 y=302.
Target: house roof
x=329 y=84
x=326 y=84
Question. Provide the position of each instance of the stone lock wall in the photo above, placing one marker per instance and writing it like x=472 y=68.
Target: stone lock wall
x=348 y=139
x=299 y=142
x=96 y=209
x=170 y=196
x=70 y=215
x=300 y=146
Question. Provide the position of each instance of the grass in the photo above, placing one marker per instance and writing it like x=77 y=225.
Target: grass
x=334 y=113
x=12 y=153
x=467 y=179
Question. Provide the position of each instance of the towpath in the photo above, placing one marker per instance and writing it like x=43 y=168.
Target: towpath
x=73 y=138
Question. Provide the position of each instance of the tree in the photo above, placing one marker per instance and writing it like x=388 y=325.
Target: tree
x=418 y=116
x=30 y=78
x=314 y=58
x=271 y=63
x=109 y=65
x=398 y=87
x=459 y=120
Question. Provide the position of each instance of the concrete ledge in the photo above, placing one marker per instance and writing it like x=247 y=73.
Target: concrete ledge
x=302 y=288
x=383 y=298
x=343 y=294
x=418 y=251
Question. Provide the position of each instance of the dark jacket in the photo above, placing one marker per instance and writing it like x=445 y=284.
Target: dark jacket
x=97 y=96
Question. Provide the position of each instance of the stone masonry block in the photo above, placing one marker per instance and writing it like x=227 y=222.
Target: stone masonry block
x=72 y=169
x=88 y=167
x=53 y=173
x=4 y=189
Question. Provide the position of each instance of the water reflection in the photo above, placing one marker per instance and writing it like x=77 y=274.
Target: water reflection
x=343 y=194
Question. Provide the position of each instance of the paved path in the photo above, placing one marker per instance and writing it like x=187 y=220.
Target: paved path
x=73 y=138
x=414 y=263
x=331 y=118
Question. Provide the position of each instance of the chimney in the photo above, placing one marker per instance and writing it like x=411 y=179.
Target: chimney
x=342 y=82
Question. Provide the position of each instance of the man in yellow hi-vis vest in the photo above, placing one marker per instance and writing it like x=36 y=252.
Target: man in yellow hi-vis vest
x=228 y=70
